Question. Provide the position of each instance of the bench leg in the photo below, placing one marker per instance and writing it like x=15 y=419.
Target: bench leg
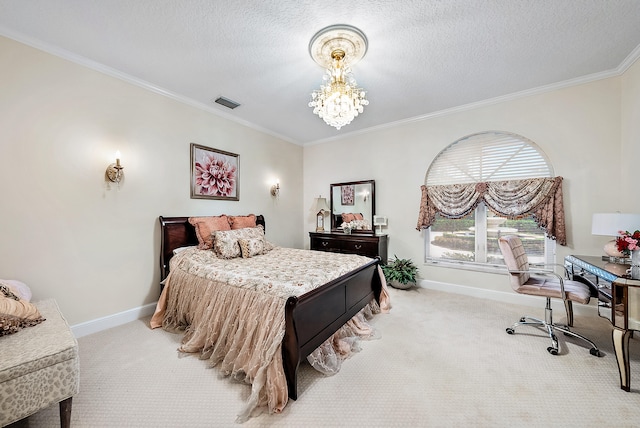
x=65 y=413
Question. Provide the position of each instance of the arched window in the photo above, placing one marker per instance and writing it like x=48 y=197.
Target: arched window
x=488 y=156
x=485 y=185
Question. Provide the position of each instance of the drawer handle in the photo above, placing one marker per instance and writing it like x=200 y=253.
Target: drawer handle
x=325 y=243
x=358 y=246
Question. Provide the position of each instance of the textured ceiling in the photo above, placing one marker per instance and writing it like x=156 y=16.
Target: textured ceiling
x=424 y=56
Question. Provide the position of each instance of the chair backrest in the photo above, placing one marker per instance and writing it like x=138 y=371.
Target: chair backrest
x=515 y=259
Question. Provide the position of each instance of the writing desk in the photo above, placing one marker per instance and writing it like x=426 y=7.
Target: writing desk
x=618 y=301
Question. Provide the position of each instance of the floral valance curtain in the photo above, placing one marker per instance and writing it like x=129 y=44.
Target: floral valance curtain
x=540 y=197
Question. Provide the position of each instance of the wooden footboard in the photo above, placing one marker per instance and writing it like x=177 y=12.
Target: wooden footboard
x=315 y=316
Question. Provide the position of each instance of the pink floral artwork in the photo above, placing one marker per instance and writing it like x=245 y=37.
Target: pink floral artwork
x=214 y=173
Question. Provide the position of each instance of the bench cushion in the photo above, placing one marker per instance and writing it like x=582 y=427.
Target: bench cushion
x=39 y=365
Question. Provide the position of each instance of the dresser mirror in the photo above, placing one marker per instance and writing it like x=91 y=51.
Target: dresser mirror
x=353 y=200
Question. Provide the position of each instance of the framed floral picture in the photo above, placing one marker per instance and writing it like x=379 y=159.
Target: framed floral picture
x=348 y=194
x=215 y=174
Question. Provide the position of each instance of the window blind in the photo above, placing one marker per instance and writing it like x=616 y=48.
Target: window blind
x=488 y=156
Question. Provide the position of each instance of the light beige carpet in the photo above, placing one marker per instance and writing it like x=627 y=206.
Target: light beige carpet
x=444 y=360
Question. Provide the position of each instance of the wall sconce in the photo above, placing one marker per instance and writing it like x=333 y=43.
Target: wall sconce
x=275 y=189
x=114 y=170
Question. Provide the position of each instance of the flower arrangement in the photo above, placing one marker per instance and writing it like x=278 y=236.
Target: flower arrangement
x=356 y=225
x=347 y=227
x=628 y=242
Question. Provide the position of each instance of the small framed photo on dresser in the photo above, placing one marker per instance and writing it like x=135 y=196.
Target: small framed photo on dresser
x=215 y=174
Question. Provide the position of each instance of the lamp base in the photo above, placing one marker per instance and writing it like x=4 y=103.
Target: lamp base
x=611 y=250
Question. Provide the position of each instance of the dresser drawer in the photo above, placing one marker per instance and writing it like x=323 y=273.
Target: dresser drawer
x=360 y=247
x=325 y=244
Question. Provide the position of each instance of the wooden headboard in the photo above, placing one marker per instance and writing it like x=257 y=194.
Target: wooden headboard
x=176 y=232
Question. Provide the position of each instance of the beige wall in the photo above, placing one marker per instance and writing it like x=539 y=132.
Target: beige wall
x=92 y=246
x=629 y=162
x=579 y=128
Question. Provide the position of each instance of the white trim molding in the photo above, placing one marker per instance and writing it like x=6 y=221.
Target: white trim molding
x=99 y=67
x=110 y=321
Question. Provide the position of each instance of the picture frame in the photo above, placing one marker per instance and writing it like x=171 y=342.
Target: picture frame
x=379 y=220
x=215 y=174
x=348 y=193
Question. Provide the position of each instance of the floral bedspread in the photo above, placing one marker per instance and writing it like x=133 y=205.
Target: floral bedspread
x=282 y=272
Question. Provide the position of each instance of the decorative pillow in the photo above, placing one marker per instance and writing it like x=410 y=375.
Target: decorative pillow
x=251 y=247
x=16 y=313
x=240 y=222
x=347 y=217
x=18 y=288
x=225 y=243
x=206 y=225
x=268 y=246
x=358 y=216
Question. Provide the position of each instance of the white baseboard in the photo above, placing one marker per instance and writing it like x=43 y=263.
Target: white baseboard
x=110 y=321
x=509 y=297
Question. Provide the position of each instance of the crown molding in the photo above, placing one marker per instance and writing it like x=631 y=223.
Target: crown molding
x=629 y=60
x=618 y=71
x=484 y=103
x=94 y=65
x=80 y=60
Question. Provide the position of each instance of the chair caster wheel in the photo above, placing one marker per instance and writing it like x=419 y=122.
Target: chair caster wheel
x=510 y=330
x=552 y=350
x=596 y=352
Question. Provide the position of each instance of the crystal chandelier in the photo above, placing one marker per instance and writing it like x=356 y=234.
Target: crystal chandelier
x=339 y=100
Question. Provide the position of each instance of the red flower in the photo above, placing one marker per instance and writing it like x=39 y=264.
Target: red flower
x=628 y=242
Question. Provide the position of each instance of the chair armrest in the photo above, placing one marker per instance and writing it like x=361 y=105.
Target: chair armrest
x=544 y=272
x=552 y=265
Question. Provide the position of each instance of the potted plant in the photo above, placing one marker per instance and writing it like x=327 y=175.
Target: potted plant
x=400 y=273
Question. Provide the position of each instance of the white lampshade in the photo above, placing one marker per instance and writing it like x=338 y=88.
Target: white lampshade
x=608 y=224
x=321 y=204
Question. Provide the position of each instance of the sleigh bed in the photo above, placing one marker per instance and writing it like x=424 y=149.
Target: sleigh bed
x=309 y=318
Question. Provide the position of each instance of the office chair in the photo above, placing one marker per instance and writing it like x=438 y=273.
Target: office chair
x=544 y=283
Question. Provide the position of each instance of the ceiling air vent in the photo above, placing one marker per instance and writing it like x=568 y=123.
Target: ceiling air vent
x=226 y=102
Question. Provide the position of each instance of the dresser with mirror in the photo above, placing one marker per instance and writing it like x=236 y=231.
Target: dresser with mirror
x=352 y=204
